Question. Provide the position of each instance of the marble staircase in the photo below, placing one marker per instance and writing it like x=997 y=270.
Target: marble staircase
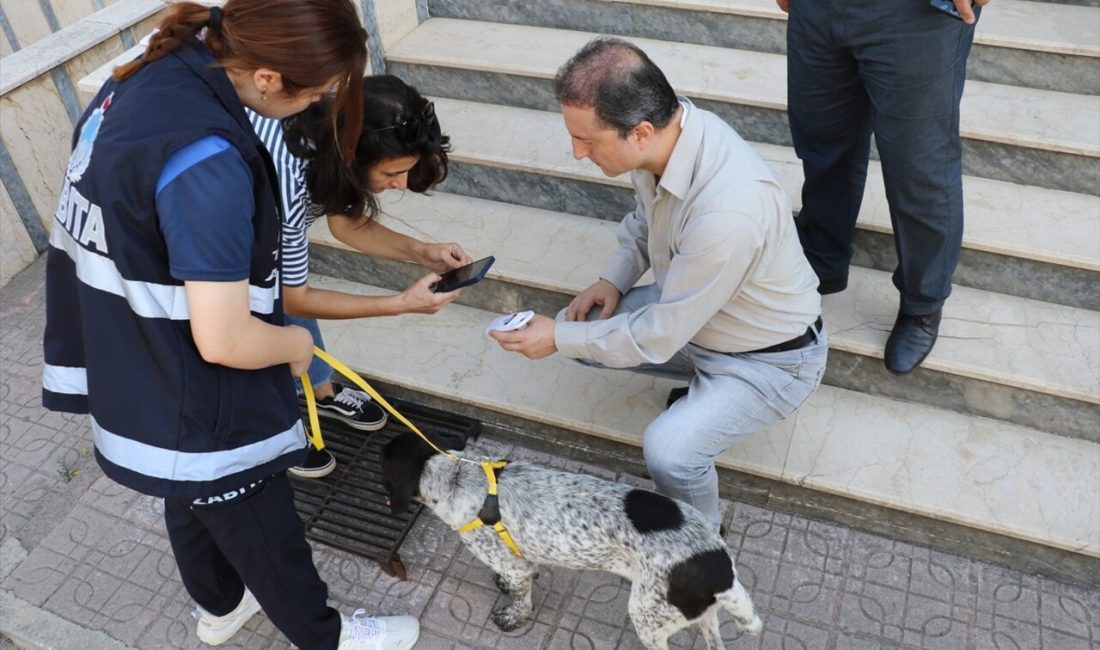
x=1017 y=372
x=992 y=449
x=1038 y=45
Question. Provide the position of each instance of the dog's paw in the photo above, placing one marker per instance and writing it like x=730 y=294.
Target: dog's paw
x=503 y=585
x=753 y=627
x=507 y=619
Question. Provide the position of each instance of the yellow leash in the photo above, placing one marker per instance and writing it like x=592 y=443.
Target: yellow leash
x=314 y=433
x=318 y=442
x=311 y=404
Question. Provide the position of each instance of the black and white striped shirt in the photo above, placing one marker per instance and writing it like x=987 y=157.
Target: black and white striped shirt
x=297 y=215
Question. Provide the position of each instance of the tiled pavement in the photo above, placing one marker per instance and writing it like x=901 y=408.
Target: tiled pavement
x=81 y=555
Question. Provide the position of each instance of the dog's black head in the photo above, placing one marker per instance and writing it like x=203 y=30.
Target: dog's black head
x=403 y=460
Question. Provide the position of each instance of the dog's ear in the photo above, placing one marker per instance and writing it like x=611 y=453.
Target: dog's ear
x=453 y=441
x=403 y=460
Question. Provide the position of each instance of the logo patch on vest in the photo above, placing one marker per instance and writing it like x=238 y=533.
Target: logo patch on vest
x=82 y=154
x=82 y=219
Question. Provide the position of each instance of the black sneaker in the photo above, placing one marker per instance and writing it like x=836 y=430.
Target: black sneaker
x=352 y=407
x=318 y=463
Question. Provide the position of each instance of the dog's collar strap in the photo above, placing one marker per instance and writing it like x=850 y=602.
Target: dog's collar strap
x=490 y=509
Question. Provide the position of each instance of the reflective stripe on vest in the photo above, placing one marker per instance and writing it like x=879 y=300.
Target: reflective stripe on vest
x=65 y=379
x=146 y=299
x=173 y=465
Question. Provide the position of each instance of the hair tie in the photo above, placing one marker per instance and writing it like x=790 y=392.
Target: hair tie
x=215 y=19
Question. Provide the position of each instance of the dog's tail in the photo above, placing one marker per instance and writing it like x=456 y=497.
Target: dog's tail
x=738 y=603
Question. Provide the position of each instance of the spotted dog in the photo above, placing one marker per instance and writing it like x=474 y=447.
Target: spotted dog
x=681 y=569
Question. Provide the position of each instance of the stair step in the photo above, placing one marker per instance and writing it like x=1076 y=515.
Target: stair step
x=1076 y=3
x=1021 y=360
x=1038 y=45
x=1054 y=258
x=1018 y=134
x=1041 y=27
x=1024 y=240
x=982 y=473
x=1001 y=217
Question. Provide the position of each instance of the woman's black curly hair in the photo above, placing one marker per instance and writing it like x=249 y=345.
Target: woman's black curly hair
x=397 y=122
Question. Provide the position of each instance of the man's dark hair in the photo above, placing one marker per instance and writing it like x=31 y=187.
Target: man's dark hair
x=620 y=82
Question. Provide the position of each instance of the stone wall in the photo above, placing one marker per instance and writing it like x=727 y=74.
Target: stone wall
x=39 y=106
x=24 y=22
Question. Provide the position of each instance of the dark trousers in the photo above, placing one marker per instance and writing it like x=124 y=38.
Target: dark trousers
x=257 y=541
x=895 y=69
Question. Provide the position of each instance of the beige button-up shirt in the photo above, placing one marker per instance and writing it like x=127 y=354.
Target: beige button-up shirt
x=718 y=233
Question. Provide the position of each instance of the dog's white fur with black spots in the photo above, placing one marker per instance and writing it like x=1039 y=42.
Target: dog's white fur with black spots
x=681 y=570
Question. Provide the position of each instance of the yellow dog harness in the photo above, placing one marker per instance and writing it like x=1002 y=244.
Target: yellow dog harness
x=490 y=510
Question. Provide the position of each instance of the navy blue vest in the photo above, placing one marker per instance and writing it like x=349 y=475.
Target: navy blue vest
x=118 y=341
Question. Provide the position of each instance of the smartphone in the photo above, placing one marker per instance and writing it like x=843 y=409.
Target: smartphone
x=463 y=276
x=948 y=7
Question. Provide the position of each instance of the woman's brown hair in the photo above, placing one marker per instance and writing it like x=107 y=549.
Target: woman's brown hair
x=308 y=42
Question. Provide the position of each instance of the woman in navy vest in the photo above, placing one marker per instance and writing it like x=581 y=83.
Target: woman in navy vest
x=164 y=314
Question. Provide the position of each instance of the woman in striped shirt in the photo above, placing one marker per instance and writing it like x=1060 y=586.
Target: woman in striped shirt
x=401 y=147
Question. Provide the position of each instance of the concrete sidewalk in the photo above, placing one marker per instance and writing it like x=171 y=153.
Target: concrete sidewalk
x=85 y=564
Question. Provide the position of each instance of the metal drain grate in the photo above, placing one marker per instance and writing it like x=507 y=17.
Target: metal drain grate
x=347 y=509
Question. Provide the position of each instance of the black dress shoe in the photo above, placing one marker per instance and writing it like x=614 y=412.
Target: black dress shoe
x=910 y=341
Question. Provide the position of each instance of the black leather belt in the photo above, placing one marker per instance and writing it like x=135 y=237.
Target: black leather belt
x=800 y=341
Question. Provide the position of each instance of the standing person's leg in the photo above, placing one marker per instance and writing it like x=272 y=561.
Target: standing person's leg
x=263 y=538
x=914 y=67
x=829 y=116
x=730 y=398
x=255 y=540
x=206 y=572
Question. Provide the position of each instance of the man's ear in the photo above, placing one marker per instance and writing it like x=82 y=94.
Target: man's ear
x=643 y=134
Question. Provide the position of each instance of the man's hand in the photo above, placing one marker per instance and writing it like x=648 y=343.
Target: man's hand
x=785 y=5
x=966 y=11
x=601 y=293
x=443 y=257
x=534 y=341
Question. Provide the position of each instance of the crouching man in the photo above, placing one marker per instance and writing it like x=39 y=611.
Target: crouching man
x=734 y=308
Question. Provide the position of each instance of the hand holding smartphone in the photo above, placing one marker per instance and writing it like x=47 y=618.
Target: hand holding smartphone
x=463 y=276
x=948 y=7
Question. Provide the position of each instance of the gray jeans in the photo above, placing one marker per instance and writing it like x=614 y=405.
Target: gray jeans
x=730 y=397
